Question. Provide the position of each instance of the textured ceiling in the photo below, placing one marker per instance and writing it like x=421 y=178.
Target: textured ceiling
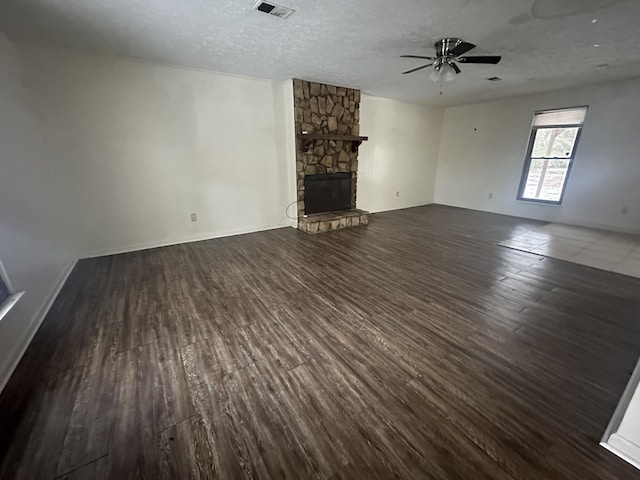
x=545 y=44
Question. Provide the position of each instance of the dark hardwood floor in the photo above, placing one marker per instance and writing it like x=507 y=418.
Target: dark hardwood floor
x=412 y=348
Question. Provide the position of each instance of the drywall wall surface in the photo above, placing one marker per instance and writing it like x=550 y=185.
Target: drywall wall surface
x=33 y=228
x=141 y=147
x=284 y=110
x=483 y=147
x=397 y=166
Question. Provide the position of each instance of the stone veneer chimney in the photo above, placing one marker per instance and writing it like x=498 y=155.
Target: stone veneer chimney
x=330 y=110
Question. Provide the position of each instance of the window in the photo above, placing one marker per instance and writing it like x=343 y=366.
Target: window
x=7 y=298
x=552 y=148
x=4 y=291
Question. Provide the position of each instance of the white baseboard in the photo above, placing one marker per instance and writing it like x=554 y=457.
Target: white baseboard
x=196 y=238
x=34 y=325
x=405 y=207
x=548 y=219
x=623 y=448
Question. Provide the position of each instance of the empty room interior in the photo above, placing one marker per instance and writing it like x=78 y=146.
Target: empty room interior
x=320 y=240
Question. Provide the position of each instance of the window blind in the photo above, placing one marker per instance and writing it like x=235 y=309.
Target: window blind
x=568 y=116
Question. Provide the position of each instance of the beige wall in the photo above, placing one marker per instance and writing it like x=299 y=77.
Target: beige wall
x=140 y=147
x=483 y=146
x=400 y=156
x=33 y=223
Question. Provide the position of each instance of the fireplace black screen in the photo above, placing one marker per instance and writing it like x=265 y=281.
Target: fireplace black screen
x=329 y=192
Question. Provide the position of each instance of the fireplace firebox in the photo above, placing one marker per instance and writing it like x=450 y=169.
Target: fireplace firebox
x=330 y=192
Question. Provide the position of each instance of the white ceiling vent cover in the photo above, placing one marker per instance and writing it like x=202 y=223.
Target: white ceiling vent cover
x=274 y=9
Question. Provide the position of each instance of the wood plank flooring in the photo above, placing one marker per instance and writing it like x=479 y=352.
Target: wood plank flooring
x=412 y=348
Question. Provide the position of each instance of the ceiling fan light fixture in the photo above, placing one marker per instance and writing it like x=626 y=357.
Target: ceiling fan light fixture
x=447 y=73
x=442 y=73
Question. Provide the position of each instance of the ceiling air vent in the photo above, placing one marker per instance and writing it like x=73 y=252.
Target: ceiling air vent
x=274 y=9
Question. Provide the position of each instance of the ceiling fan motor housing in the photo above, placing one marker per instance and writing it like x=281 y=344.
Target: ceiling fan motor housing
x=444 y=46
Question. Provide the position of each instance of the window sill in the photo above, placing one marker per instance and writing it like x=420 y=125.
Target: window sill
x=539 y=202
x=9 y=303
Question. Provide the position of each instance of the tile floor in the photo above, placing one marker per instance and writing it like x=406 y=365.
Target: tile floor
x=611 y=251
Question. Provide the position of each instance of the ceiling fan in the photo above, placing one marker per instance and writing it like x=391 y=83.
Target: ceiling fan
x=449 y=53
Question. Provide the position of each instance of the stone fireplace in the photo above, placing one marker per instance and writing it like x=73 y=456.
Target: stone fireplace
x=327 y=123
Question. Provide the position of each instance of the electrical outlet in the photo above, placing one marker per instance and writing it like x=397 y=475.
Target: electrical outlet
x=398 y=193
x=194 y=217
x=490 y=195
x=624 y=210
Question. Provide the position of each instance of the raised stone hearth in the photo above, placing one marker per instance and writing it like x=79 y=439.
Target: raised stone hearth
x=330 y=115
x=325 y=222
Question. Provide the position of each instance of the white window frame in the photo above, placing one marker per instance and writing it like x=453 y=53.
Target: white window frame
x=532 y=140
x=13 y=297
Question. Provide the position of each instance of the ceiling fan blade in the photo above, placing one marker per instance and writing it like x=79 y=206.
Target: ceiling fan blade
x=417 y=56
x=461 y=48
x=455 y=67
x=416 y=69
x=491 y=59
